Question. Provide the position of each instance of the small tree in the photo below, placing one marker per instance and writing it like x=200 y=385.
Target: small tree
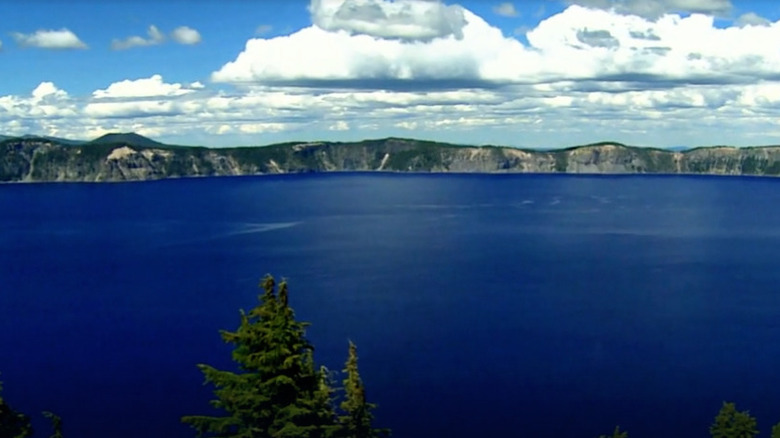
x=730 y=423
x=357 y=417
x=278 y=393
x=616 y=434
x=13 y=424
x=56 y=424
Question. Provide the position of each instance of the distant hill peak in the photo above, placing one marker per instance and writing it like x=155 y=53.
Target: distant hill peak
x=129 y=138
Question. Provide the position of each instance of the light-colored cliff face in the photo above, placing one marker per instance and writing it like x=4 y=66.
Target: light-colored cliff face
x=45 y=160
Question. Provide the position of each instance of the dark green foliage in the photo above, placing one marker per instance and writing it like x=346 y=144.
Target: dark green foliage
x=773 y=169
x=776 y=431
x=616 y=434
x=278 y=393
x=753 y=166
x=94 y=152
x=357 y=411
x=730 y=423
x=13 y=424
x=127 y=138
x=56 y=424
x=561 y=161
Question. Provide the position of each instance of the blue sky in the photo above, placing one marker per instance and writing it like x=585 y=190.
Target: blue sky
x=541 y=73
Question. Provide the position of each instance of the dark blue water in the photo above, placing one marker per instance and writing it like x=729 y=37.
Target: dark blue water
x=538 y=306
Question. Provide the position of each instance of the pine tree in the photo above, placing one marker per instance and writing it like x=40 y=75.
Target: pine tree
x=730 y=423
x=776 y=431
x=13 y=424
x=278 y=392
x=357 y=417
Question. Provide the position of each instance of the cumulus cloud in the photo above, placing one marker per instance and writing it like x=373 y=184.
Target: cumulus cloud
x=654 y=9
x=597 y=38
x=48 y=90
x=506 y=10
x=578 y=43
x=154 y=37
x=153 y=86
x=752 y=19
x=401 y=19
x=318 y=54
x=49 y=39
x=186 y=35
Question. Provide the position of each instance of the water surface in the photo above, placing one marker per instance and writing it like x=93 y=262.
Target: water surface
x=481 y=305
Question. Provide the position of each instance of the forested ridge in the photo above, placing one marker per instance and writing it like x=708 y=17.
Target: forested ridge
x=135 y=158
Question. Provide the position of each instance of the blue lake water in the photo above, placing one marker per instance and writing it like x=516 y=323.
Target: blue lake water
x=482 y=305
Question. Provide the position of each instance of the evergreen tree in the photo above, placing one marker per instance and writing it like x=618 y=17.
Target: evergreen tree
x=278 y=392
x=357 y=411
x=730 y=423
x=56 y=424
x=776 y=431
x=13 y=424
x=616 y=434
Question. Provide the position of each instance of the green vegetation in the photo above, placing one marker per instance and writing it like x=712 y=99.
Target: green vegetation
x=13 y=424
x=278 y=392
x=56 y=424
x=356 y=421
x=776 y=431
x=730 y=423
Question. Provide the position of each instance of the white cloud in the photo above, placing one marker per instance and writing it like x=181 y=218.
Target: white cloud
x=586 y=74
x=402 y=19
x=317 y=54
x=506 y=10
x=130 y=109
x=654 y=9
x=153 y=86
x=341 y=125
x=752 y=19
x=259 y=128
x=49 y=39
x=1 y=45
x=48 y=90
x=186 y=35
x=154 y=37
x=578 y=43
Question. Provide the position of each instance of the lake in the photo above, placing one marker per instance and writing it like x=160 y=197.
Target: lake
x=482 y=305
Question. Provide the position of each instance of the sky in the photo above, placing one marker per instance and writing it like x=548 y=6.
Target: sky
x=534 y=74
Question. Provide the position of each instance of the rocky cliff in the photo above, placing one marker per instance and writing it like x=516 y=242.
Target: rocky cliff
x=41 y=159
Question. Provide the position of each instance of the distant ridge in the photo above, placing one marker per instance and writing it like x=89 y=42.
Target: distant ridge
x=127 y=138
x=60 y=140
x=132 y=157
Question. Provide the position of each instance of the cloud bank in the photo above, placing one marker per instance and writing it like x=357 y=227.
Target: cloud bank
x=368 y=68
x=414 y=40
